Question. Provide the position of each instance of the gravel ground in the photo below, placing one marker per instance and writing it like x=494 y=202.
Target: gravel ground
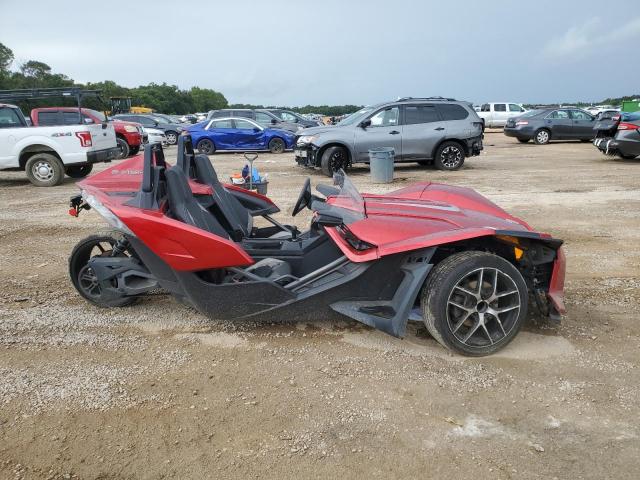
x=157 y=391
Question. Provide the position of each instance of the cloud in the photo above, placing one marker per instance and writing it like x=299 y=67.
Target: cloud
x=591 y=37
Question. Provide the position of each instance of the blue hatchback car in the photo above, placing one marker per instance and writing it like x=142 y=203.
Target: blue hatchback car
x=239 y=134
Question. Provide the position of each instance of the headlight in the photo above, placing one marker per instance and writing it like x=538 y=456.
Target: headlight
x=107 y=214
x=307 y=139
x=130 y=128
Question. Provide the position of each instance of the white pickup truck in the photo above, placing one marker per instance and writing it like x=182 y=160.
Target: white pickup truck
x=46 y=154
x=496 y=114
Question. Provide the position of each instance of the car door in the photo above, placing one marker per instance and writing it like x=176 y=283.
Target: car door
x=221 y=133
x=500 y=114
x=383 y=131
x=582 y=124
x=559 y=123
x=247 y=135
x=422 y=129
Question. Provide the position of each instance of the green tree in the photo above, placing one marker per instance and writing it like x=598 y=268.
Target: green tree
x=35 y=69
x=6 y=58
x=205 y=99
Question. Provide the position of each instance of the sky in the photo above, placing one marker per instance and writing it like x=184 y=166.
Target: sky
x=299 y=52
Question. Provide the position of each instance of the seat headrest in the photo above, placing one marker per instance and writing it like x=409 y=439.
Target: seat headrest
x=178 y=186
x=205 y=173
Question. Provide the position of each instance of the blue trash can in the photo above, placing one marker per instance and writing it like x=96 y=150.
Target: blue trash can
x=381 y=164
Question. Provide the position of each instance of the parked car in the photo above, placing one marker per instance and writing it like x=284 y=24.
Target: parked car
x=47 y=153
x=618 y=135
x=597 y=109
x=549 y=124
x=496 y=114
x=292 y=117
x=263 y=117
x=129 y=135
x=239 y=134
x=155 y=135
x=423 y=130
x=171 y=130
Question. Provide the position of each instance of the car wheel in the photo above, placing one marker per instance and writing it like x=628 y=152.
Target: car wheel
x=542 y=137
x=206 y=146
x=450 y=156
x=523 y=140
x=123 y=146
x=79 y=171
x=333 y=159
x=172 y=137
x=44 y=170
x=628 y=157
x=84 y=278
x=474 y=303
x=134 y=150
x=276 y=145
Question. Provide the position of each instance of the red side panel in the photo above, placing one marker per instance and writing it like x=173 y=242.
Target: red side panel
x=556 y=286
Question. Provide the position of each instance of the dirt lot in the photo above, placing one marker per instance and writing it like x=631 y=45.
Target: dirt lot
x=158 y=391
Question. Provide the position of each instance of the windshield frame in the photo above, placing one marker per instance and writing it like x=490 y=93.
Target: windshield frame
x=355 y=116
x=348 y=203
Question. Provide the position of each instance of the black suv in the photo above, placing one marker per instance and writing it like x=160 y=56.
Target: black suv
x=263 y=117
x=436 y=130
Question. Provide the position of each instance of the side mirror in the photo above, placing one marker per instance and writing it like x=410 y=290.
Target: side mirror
x=365 y=123
x=256 y=129
x=274 y=121
x=328 y=220
x=88 y=121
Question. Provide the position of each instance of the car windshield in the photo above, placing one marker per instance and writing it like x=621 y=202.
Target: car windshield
x=354 y=117
x=161 y=119
x=347 y=203
x=532 y=113
x=99 y=115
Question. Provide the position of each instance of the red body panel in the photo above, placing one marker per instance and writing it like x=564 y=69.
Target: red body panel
x=556 y=286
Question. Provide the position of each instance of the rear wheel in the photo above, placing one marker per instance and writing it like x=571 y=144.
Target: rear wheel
x=206 y=146
x=542 y=137
x=276 y=145
x=333 y=159
x=79 y=171
x=523 y=140
x=123 y=146
x=44 y=170
x=450 y=156
x=172 y=137
x=474 y=303
x=134 y=150
x=84 y=278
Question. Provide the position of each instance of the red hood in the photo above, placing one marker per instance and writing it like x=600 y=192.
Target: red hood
x=427 y=214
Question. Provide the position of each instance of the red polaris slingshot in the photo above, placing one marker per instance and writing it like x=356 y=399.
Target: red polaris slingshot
x=445 y=253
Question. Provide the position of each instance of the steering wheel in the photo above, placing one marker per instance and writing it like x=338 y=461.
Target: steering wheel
x=304 y=199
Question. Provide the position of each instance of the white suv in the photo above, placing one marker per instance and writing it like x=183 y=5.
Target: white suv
x=497 y=114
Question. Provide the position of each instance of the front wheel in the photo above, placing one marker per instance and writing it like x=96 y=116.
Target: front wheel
x=44 y=170
x=134 y=150
x=78 y=171
x=123 y=148
x=206 y=146
x=450 y=156
x=333 y=159
x=172 y=137
x=474 y=303
x=276 y=145
x=84 y=278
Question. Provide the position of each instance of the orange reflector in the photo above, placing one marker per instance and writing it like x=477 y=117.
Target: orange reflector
x=518 y=252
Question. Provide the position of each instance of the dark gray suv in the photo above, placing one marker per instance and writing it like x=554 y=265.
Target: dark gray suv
x=436 y=130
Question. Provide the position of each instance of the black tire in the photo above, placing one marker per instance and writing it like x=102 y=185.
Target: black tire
x=451 y=313
x=172 y=137
x=276 y=145
x=586 y=140
x=124 y=148
x=134 y=150
x=44 y=170
x=80 y=273
x=523 y=140
x=542 y=136
x=206 y=146
x=628 y=157
x=79 y=171
x=449 y=156
x=333 y=159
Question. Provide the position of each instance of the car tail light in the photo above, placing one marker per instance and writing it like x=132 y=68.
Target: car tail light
x=522 y=122
x=85 y=138
x=628 y=126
